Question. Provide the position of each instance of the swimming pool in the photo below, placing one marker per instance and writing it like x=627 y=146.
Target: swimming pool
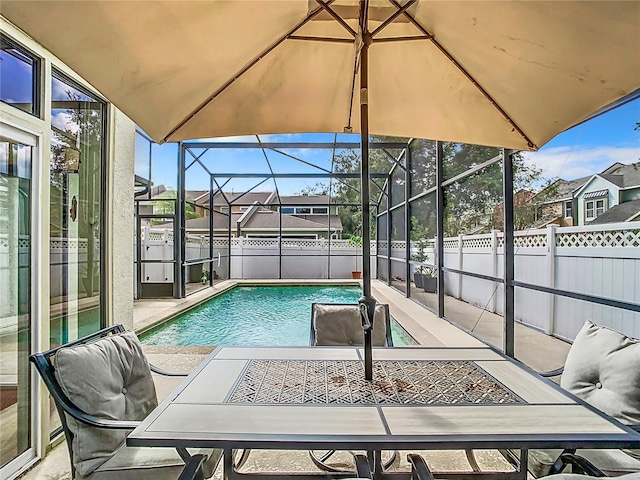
x=257 y=316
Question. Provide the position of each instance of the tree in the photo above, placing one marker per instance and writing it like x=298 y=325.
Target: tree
x=347 y=191
x=470 y=203
x=162 y=206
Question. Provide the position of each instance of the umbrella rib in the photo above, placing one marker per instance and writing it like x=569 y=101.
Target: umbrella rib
x=353 y=87
x=401 y=39
x=325 y=6
x=469 y=77
x=320 y=39
x=398 y=12
x=245 y=69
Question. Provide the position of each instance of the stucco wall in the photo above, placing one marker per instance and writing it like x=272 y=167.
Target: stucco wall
x=121 y=222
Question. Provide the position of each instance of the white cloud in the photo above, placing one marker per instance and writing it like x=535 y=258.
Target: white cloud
x=579 y=161
x=63 y=121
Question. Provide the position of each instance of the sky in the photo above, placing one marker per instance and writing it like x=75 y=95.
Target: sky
x=583 y=150
x=593 y=146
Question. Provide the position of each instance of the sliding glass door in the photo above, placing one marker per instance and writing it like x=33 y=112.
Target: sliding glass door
x=17 y=152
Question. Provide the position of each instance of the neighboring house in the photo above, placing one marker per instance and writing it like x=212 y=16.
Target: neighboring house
x=232 y=201
x=583 y=200
x=555 y=204
x=616 y=185
x=625 y=212
x=304 y=216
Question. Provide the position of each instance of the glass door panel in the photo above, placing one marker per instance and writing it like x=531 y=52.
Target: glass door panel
x=76 y=188
x=15 y=300
x=76 y=198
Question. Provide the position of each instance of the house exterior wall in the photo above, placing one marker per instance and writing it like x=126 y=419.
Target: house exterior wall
x=118 y=227
x=595 y=184
x=120 y=218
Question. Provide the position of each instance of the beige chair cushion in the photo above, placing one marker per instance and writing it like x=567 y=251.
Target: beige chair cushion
x=340 y=325
x=109 y=379
x=603 y=368
x=132 y=463
x=541 y=461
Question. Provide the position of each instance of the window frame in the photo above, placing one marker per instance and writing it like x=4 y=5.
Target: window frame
x=568 y=209
x=36 y=77
x=594 y=207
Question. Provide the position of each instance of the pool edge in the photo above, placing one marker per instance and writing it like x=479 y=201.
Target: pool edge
x=186 y=304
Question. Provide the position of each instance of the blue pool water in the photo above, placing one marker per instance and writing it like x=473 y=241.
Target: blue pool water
x=257 y=316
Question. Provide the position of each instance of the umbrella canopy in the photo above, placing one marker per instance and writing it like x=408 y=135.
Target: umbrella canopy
x=507 y=74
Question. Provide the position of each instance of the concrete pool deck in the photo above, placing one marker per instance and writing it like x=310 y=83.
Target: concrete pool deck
x=424 y=326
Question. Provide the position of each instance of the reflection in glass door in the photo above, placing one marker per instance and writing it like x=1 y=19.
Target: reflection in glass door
x=76 y=186
x=15 y=301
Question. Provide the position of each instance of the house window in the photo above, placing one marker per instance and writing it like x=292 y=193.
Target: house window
x=594 y=208
x=320 y=210
x=244 y=209
x=224 y=210
x=19 y=77
x=303 y=210
x=568 y=209
x=287 y=210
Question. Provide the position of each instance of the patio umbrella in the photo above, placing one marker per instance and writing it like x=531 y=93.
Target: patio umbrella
x=506 y=74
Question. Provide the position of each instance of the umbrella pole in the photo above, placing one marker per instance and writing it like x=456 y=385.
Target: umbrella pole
x=367 y=302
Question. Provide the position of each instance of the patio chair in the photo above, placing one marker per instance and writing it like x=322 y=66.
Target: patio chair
x=419 y=468
x=603 y=369
x=102 y=387
x=339 y=324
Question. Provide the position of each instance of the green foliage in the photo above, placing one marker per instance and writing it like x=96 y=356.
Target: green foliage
x=420 y=240
x=471 y=202
x=163 y=205
x=348 y=190
x=206 y=276
x=355 y=241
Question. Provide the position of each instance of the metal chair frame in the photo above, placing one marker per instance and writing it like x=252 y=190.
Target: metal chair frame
x=65 y=406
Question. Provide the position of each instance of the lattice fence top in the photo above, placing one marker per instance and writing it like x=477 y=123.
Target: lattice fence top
x=451 y=243
x=530 y=241
x=394 y=382
x=483 y=242
x=612 y=238
x=294 y=243
x=70 y=243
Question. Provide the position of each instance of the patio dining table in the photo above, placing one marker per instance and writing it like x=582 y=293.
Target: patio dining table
x=420 y=398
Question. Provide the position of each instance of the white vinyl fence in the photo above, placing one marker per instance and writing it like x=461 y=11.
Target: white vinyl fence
x=254 y=257
x=602 y=261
